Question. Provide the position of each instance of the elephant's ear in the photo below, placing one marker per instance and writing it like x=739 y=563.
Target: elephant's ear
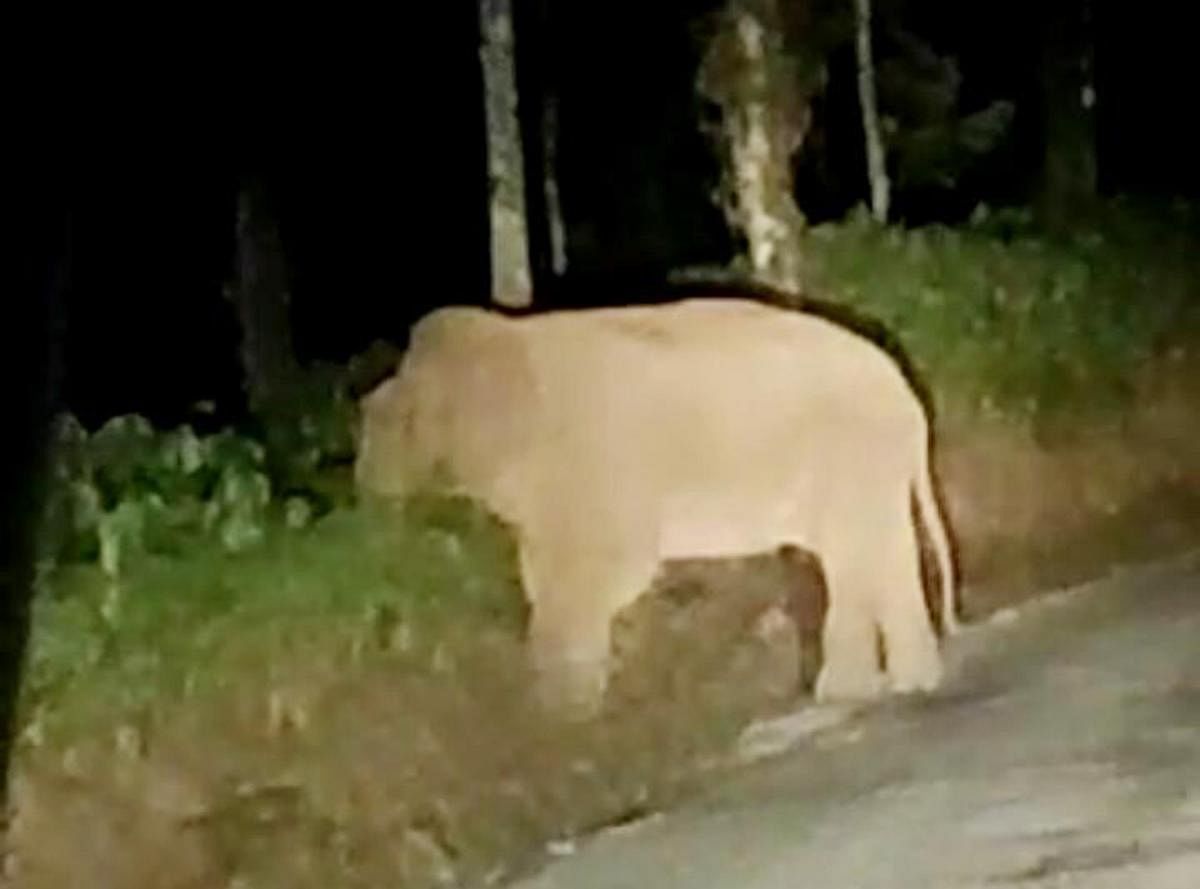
x=479 y=365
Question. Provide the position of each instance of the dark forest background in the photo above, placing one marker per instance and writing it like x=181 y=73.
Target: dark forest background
x=369 y=142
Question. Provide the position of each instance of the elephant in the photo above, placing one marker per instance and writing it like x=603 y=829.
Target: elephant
x=614 y=439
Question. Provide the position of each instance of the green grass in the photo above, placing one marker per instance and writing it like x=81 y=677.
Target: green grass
x=178 y=625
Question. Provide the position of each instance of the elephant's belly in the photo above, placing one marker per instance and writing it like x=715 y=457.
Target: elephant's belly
x=710 y=526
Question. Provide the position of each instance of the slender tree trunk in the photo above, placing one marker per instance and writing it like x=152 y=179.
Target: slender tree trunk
x=876 y=167
x=555 y=227
x=763 y=176
x=1069 y=174
x=260 y=295
x=511 y=278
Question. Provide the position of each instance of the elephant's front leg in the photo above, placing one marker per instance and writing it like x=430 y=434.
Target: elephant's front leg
x=570 y=658
x=575 y=593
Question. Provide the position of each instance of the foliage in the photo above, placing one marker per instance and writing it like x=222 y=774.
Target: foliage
x=138 y=590
x=933 y=142
x=127 y=489
x=311 y=430
x=1003 y=320
x=368 y=579
x=310 y=437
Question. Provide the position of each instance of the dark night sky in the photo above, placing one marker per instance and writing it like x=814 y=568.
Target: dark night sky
x=372 y=149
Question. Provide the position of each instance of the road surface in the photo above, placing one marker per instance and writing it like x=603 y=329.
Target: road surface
x=1064 y=752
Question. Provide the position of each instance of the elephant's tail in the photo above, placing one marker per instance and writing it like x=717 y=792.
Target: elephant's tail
x=935 y=526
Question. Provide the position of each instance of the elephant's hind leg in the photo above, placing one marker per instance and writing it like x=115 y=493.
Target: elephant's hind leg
x=851 y=669
x=910 y=645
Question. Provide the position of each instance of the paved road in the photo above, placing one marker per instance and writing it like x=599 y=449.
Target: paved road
x=1064 y=752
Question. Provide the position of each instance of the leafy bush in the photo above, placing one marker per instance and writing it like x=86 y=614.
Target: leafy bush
x=310 y=435
x=1003 y=320
x=127 y=489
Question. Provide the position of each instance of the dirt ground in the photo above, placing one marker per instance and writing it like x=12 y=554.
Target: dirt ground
x=432 y=770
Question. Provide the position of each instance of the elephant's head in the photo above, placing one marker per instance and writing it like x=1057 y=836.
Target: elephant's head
x=456 y=412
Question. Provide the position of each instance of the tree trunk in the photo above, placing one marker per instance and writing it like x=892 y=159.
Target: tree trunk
x=272 y=376
x=511 y=279
x=555 y=227
x=540 y=75
x=764 y=118
x=260 y=295
x=876 y=168
x=1069 y=175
